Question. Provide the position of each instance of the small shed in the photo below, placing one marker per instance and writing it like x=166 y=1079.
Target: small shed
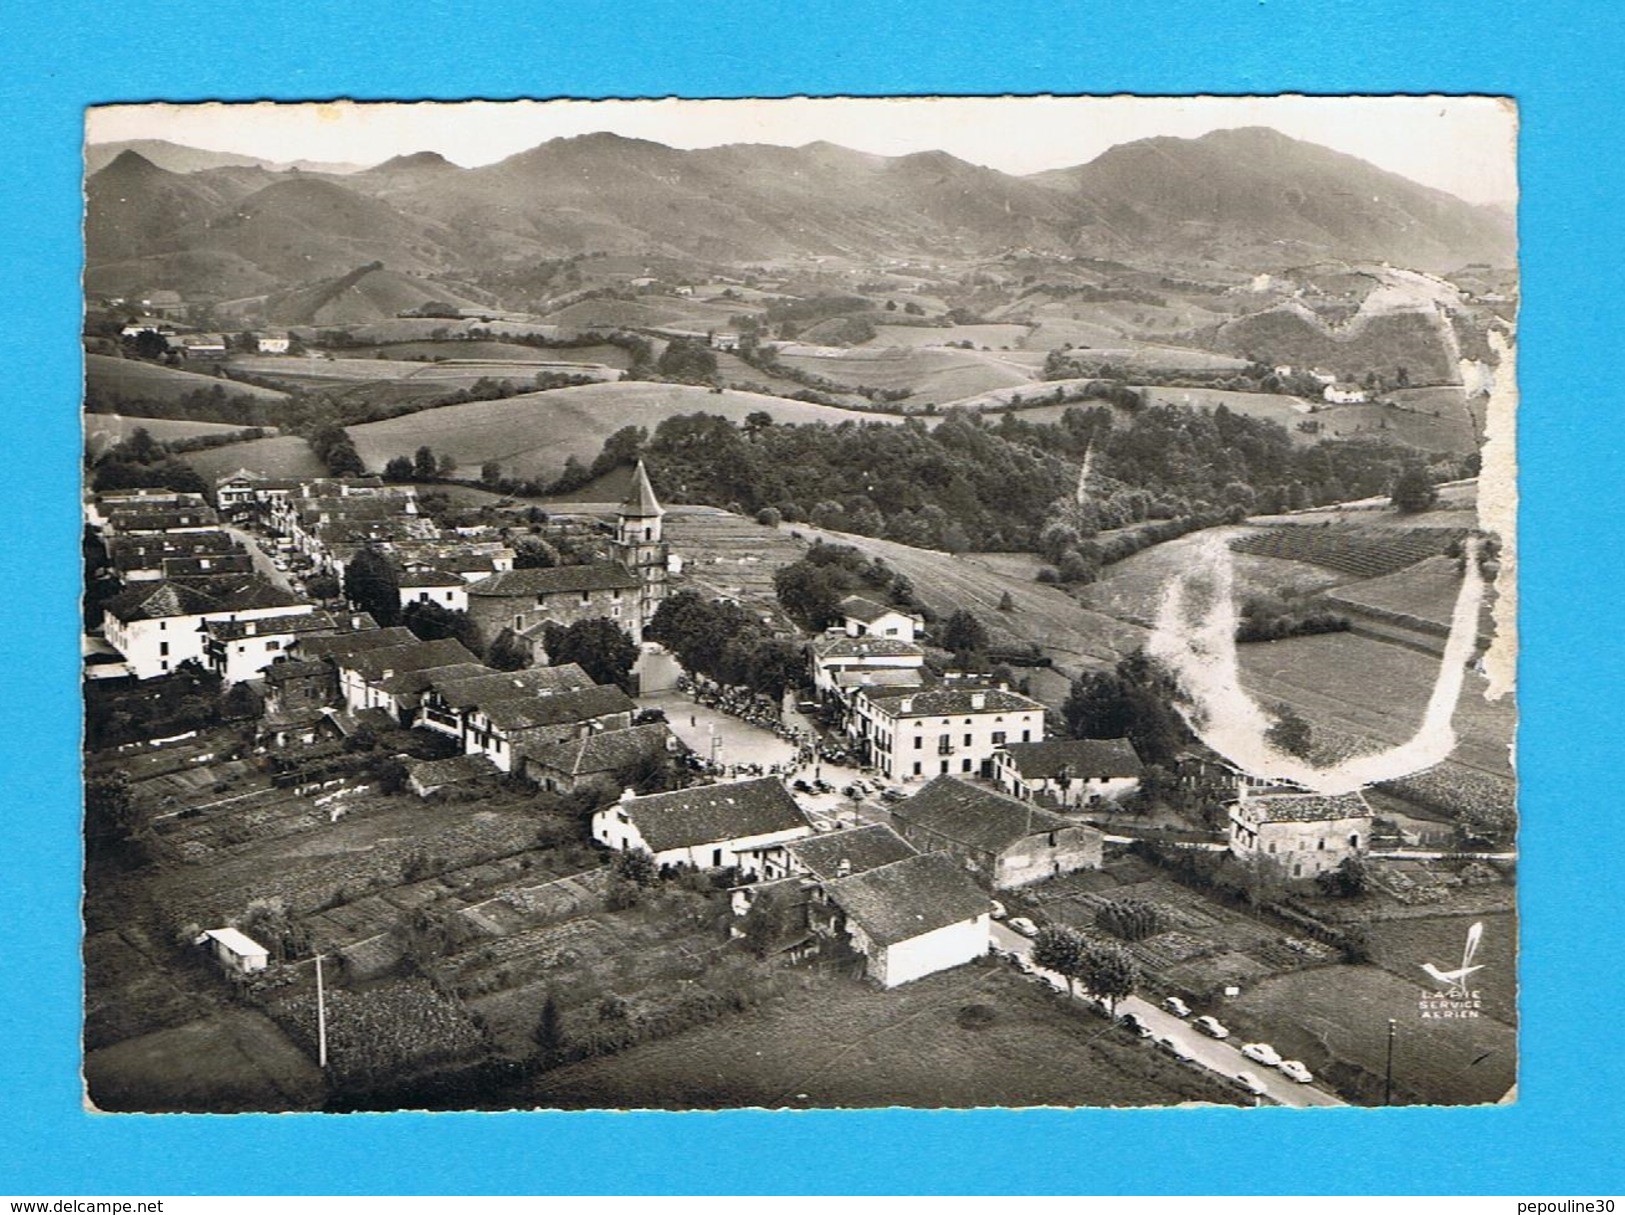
x=236 y=951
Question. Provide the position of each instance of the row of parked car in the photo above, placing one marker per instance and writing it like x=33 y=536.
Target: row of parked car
x=1258 y=1052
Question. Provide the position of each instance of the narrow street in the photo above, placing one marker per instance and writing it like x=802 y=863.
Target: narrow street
x=1223 y=1057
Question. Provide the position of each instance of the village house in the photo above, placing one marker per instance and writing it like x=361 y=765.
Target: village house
x=453 y=694
x=842 y=663
x=740 y=823
x=156 y=626
x=866 y=618
x=102 y=507
x=1005 y=843
x=363 y=676
x=427 y=777
x=296 y=693
x=839 y=854
x=237 y=953
x=423 y=584
x=198 y=346
x=1344 y=394
x=596 y=757
x=146 y=558
x=910 y=735
x=508 y=731
x=910 y=918
x=273 y=342
x=1072 y=773
x=239 y=650
x=525 y=601
x=1305 y=833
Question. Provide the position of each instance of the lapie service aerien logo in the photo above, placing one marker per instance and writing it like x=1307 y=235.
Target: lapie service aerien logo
x=1457 y=999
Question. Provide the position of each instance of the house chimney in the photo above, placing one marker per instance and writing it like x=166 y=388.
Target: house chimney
x=252 y=627
x=978 y=700
x=843 y=868
x=906 y=705
x=628 y=794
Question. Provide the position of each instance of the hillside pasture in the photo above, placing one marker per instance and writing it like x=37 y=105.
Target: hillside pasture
x=932 y=376
x=992 y=336
x=102 y=430
x=1425 y=592
x=482 y=350
x=649 y=312
x=1452 y=430
x=133 y=378
x=285 y=456
x=1078 y=637
x=1286 y=411
x=532 y=435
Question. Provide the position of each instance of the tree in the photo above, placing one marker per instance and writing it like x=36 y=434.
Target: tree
x=963 y=633
x=446 y=465
x=636 y=865
x=687 y=359
x=1351 y=878
x=1006 y=603
x=651 y=772
x=549 y=1033
x=1290 y=732
x=1109 y=972
x=371 y=583
x=599 y=646
x=1413 y=491
x=1060 y=950
x=773 y=667
x=113 y=818
x=434 y=622
x=534 y=553
x=423 y=464
x=1132 y=919
x=507 y=652
x=399 y=468
x=490 y=472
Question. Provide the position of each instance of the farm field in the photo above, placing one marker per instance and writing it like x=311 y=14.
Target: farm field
x=283 y=456
x=1077 y=636
x=648 y=312
x=233 y=1061
x=1425 y=592
x=105 y=429
x=1356 y=685
x=726 y=555
x=1347 y=548
x=993 y=336
x=483 y=351
x=134 y=378
x=533 y=434
x=1286 y=411
x=935 y=376
x=731 y=369
x=1335 y=1019
x=837 y=1043
x=1131 y=589
x=1452 y=432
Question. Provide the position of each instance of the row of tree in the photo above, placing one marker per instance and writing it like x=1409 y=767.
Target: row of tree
x=726 y=643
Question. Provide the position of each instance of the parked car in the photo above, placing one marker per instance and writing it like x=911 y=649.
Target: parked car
x=1293 y=1070
x=893 y=795
x=1250 y=1082
x=1177 y=1006
x=1176 y=1048
x=1210 y=1027
x=1024 y=926
x=1140 y=1028
x=802 y=786
x=1262 y=1052
x=998 y=910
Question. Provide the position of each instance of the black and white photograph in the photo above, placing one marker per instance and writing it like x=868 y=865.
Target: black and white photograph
x=805 y=603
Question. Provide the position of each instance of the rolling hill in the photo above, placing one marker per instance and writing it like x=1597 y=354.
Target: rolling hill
x=533 y=435
x=131 y=379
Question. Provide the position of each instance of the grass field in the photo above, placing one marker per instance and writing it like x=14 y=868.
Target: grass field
x=1285 y=411
x=1400 y=946
x=282 y=456
x=133 y=378
x=1451 y=432
x=499 y=352
x=1335 y=1020
x=234 y=1061
x=1425 y=591
x=992 y=336
x=1077 y=636
x=649 y=312
x=1357 y=685
x=935 y=376
x=837 y=1043
x=532 y=435
x=105 y=429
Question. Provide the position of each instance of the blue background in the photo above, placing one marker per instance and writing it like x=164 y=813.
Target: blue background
x=1561 y=61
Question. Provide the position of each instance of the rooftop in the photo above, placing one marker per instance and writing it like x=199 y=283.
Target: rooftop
x=1082 y=758
x=525 y=712
x=948 y=702
x=557 y=579
x=462 y=689
x=711 y=814
x=605 y=750
x=858 y=607
x=859 y=848
x=827 y=648
x=1305 y=807
x=641 y=502
x=971 y=815
x=347 y=644
x=909 y=897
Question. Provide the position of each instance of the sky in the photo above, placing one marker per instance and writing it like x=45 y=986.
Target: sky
x=1463 y=145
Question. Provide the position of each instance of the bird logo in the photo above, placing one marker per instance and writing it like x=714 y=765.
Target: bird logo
x=1455 y=981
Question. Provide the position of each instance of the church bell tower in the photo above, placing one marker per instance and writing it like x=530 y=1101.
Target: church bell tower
x=638 y=544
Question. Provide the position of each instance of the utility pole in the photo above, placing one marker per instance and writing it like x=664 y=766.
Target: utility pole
x=321 y=1018
x=1388 y=1079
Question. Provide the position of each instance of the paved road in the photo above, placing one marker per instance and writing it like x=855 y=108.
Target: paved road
x=1222 y=1058
x=263 y=563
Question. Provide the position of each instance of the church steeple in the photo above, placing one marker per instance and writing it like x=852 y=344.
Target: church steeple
x=638 y=544
x=641 y=502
